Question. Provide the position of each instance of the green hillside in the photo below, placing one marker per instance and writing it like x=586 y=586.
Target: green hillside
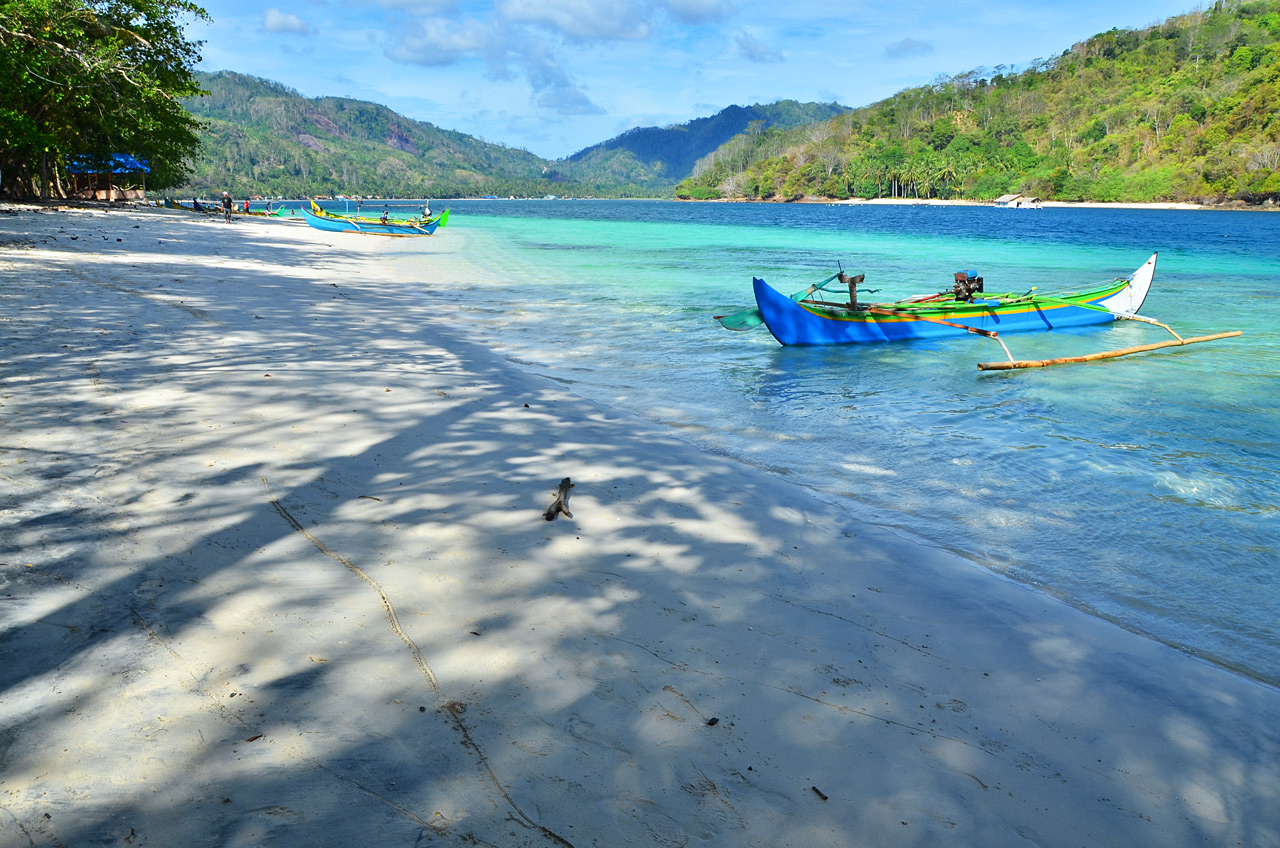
x=1188 y=109
x=264 y=138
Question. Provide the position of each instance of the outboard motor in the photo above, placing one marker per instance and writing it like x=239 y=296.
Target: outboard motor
x=967 y=284
x=852 y=283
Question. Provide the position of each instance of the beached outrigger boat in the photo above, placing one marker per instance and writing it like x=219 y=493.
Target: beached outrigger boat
x=417 y=221
x=194 y=206
x=350 y=225
x=807 y=318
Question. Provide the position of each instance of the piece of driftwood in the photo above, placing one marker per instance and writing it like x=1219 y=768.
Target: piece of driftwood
x=561 y=503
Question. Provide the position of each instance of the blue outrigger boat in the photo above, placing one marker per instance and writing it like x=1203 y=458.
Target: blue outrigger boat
x=810 y=318
x=336 y=224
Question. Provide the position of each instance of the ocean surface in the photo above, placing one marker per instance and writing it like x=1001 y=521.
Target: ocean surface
x=1145 y=489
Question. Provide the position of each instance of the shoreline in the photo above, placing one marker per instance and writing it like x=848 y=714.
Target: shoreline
x=1180 y=205
x=277 y=538
x=1046 y=204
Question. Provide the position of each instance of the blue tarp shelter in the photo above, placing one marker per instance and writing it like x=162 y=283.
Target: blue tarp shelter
x=120 y=163
x=117 y=163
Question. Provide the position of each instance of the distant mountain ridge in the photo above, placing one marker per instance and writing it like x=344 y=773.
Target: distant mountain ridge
x=666 y=155
x=264 y=138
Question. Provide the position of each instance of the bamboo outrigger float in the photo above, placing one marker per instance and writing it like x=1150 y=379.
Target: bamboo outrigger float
x=807 y=318
x=1177 y=341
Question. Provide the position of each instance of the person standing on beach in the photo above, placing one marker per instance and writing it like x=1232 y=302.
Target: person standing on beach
x=226 y=207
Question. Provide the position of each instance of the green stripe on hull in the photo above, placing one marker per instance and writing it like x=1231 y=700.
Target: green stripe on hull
x=1006 y=304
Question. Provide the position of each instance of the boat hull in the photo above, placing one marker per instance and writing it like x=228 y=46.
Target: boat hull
x=800 y=323
x=347 y=225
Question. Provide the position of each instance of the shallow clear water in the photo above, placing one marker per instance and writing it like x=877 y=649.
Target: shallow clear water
x=1145 y=489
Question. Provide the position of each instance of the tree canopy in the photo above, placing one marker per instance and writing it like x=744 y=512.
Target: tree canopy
x=85 y=79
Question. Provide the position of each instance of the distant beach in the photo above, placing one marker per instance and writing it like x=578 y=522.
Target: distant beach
x=276 y=571
x=1044 y=204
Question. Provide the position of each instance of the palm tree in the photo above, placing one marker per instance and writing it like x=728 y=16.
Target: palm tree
x=947 y=173
x=928 y=165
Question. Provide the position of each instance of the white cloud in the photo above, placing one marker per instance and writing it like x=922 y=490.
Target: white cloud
x=581 y=20
x=553 y=88
x=436 y=42
x=753 y=50
x=512 y=43
x=908 y=47
x=568 y=101
x=274 y=20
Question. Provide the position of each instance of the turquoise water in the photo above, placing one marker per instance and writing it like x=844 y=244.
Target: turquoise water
x=1144 y=489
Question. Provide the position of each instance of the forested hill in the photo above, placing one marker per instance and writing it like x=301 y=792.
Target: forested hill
x=1188 y=109
x=263 y=138
x=665 y=155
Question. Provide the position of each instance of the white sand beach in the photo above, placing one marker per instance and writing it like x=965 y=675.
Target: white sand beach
x=274 y=571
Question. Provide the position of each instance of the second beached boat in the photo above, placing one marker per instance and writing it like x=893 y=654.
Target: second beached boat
x=416 y=220
x=350 y=225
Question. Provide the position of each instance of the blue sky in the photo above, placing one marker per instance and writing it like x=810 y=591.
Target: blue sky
x=555 y=77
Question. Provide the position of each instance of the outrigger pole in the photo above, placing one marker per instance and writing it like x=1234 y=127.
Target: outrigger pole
x=1177 y=341
x=1106 y=354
